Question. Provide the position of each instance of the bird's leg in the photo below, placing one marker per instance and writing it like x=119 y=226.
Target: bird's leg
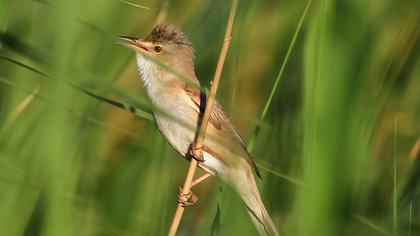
x=195 y=152
x=189 y=199
x=200 y=179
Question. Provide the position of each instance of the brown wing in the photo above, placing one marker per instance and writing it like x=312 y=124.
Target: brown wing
x=220 y=121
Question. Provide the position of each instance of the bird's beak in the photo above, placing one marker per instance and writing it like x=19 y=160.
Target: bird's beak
x=133 y=43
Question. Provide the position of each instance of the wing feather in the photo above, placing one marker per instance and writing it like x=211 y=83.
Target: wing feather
x=220 y=121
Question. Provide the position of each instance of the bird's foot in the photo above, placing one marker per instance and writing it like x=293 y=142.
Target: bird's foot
x=196 y=152
x=186 y=199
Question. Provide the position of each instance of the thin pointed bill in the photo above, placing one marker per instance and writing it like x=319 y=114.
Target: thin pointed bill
x=133 y=43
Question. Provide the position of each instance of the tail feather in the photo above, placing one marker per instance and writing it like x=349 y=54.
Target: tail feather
x=244 y=184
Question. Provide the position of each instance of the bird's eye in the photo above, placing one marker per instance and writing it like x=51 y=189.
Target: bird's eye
x=157 y=49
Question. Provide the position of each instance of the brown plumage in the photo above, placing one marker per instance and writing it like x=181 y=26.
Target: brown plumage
x=220 y=121
x=224 y=151
x=167 y=33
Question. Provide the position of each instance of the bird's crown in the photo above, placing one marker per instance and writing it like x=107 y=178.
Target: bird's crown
x=167 y=33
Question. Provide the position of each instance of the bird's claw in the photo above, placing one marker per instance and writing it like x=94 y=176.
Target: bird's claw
x=196 y=152
x=186 y=199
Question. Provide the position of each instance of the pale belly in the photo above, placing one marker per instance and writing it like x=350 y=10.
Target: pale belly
x=179 y=105
x=180 y=135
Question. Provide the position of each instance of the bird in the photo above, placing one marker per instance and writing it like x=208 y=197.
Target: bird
x=165 y=61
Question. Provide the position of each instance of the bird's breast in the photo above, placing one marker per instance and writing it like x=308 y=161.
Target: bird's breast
x=176 y=121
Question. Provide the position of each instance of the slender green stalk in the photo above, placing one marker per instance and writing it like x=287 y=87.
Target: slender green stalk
x=251 y=143
x=395 y=187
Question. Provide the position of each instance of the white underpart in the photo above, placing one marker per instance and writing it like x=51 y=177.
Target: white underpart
x=178 y=105
x=143 y=66
x=180 y=136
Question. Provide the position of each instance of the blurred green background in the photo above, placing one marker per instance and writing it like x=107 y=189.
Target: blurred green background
x=338 y=147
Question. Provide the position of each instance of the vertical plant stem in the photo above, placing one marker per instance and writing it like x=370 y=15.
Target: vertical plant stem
x=278 y=78
x=206 y=116
x=409 y=224
x=394 y=203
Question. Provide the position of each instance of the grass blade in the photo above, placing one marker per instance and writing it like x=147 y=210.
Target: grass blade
x=279 y=76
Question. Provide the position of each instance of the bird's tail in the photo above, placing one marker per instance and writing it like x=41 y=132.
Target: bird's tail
x=244 y=184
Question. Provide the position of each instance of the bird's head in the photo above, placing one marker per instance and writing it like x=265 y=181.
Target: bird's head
x=165 y=44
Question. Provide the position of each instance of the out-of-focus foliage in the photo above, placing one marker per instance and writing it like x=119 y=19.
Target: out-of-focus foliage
x=338 y=149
